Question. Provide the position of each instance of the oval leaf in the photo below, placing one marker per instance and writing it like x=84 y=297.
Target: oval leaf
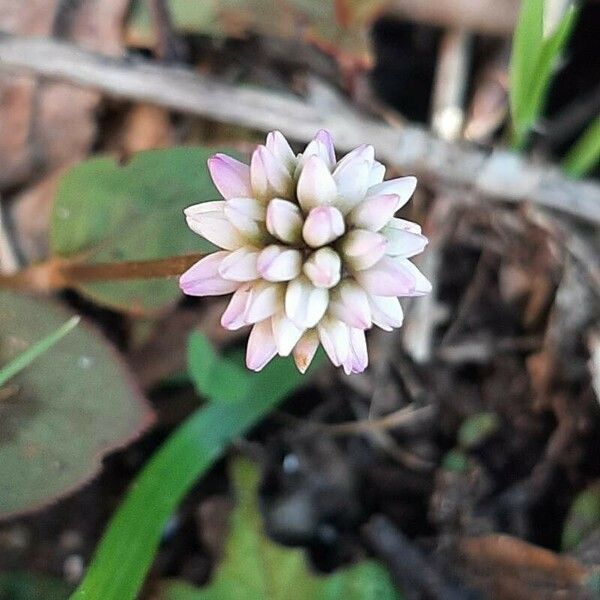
x=105 y=213
x=60 y=414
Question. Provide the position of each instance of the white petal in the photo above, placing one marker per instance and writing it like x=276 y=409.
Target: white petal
x=203 y=279
x=352 y=181
x=335 y=337
x=305 y=350
x=326 y=140
x=284 y=221
x=375 y=212
x=279 y=263
x=377 y=173
x=323 y=268
x=233 y=317
x=361 y=249
x=247 y=215
x=316 y=186
x=286 y=333
x=405 y=225
x=323 y=225
x=358 y=356
x=269 y=177
x=388 y=277
x=230 y=176
x=403 y=187
x=240 y=265
x=265 y=300
x=350 y=303
x=402 y=242
x=365 y=152
x=281 y=150
x=209 y=220
x=305 y=304
x=422 y=284
x=386 y=312
x=261 y=346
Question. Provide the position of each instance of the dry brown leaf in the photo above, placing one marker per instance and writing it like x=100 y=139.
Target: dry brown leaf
x=46 y=124
x=505 y=567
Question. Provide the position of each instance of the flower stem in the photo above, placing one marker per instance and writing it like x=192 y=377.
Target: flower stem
x=57 y=273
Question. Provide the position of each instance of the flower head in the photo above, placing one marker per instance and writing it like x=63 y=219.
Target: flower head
x=310 y=249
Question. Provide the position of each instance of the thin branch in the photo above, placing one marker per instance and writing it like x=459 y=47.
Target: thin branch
x=492 y=17
x=56 y=274
x=499 y=175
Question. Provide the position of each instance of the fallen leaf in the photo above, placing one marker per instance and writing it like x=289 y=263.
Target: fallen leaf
x=47 y=124
x=256 y=568
x=71 y=406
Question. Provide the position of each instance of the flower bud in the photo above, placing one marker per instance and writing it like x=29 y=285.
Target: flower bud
x=361 y=249
x=278 y=263
x=284 y=221
x=323 y=225
x=323 y=268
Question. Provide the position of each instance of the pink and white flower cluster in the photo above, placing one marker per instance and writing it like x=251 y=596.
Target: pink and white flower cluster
x=311 y=250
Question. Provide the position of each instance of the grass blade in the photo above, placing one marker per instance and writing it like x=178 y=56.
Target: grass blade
x=585 y=152
x=26 y=358
x=533 y=60
x=130 y=542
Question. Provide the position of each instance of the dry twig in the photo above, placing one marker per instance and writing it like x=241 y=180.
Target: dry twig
x=500 y=175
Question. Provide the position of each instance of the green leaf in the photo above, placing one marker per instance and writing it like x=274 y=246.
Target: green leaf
x=226 y=378
x=104 y=212
x=583 y=517
x=477 y=428
x=73 y=405
x=129 y=544
x=216 y=377
x=256 y=568
x=585 y=153
x=21 y=585
x=534 y=58
x=24 y=359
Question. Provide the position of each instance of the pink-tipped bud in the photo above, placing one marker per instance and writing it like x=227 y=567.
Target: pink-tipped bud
x=350 y=303
x=305 y=350
x=323 y=268
x=323 y=225
x=305 y=304
x=240 y=265
x=375 y=212
x=403 y=187
x=278 y=263
x=261 y=346
x=284 y=221
x=209 y=220
x=335 y=337
x=247 y=215
x=361 y=249
x=281 y=150
x=269 y=177
x=230 y=176
x=203 y=278
x=316 y=186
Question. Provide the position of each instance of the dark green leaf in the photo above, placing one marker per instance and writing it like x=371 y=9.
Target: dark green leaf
x=105 y=212
x=256 y=568
x=23 y=360
x=128 y=546
x=66 y=410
